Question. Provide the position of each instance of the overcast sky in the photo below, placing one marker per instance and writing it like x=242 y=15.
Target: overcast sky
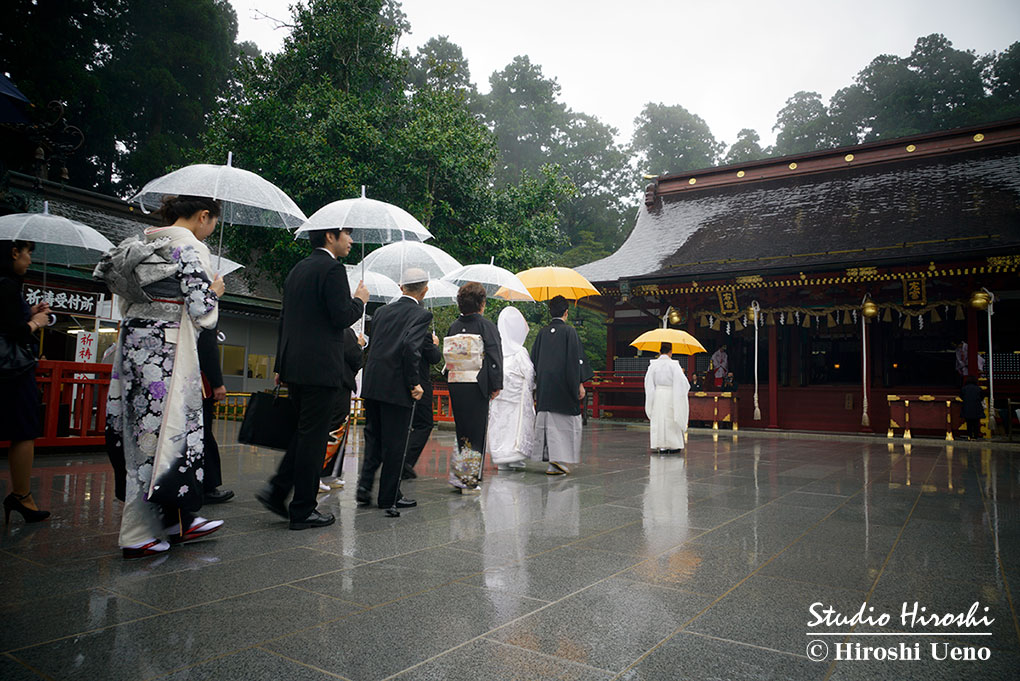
x=733 y=63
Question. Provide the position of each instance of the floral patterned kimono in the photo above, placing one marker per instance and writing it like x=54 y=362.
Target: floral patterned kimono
x=154 y=408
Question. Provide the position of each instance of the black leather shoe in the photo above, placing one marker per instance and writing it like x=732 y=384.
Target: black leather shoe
x=363 y=496
x=404 y=502
x=314 y=519
x=272 y=502
x=218 y=496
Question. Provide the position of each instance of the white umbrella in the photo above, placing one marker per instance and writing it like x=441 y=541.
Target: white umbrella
x=439 y=294
x=247 y=199
x=62 y=241
x=496 y=281
x=396 y=258
x=381 y=289
x=370 y=221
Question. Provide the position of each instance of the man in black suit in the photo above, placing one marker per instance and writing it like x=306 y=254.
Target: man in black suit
x=317 y=307
x=421 y=425
x=213 y=391
x=391 y=384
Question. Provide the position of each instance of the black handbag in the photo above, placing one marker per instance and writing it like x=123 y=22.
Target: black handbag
x=15 y=359
x=270 y=420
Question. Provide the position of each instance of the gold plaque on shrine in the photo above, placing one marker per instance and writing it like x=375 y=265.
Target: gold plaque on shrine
x=914 y=292
x=728 y=301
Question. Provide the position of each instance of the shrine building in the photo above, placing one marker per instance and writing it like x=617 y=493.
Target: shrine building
x=869 y=265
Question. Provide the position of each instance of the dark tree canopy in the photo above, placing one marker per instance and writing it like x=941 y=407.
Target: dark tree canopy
x=138 y=78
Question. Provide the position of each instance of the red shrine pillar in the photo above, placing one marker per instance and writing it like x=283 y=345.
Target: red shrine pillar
x=972 y=341
x=773 y=377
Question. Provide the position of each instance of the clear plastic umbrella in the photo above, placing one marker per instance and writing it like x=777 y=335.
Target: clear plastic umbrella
x=396 y=258
x=228 y=266
x=381 y=289
x=62 y=241
x=370 y=221
x=440 y=294
x=497 y=282
x=247 y=199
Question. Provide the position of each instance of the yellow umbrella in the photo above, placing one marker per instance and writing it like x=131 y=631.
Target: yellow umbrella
x=544 y=283
x=683 y=343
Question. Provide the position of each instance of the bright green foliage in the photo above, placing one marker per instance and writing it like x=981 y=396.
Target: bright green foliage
x=671 y=139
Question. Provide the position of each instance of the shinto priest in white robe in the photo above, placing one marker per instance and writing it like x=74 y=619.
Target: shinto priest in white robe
x=666 y=406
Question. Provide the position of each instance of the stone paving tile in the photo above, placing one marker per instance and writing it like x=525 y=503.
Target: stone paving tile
x=697 y=566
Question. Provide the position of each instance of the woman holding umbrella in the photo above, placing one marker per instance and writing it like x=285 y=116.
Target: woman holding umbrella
x=19 y=395
x=154 y=408
x=474 y=358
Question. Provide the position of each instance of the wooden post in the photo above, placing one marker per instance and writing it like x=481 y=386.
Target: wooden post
x=773 y=377
x=611 y=343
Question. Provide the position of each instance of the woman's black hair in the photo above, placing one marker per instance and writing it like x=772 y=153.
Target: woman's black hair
x=176 y=207
x=470 y=298
x=6 y=261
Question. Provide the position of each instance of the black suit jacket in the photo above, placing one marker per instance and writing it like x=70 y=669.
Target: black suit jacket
x=353 y=355
x=209 y=357
x=394 y=365
x=490 y=376
x=317 y=307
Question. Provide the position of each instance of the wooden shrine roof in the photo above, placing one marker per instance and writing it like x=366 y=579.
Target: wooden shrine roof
x=926 y=198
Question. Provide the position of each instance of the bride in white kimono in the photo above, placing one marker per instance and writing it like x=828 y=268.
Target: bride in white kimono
x=666 y=406
x=512 y=413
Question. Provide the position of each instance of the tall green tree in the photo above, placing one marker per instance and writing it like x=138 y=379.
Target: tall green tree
x=439 y=64
x=746 y=148
x=803 y=125
x=534 y=129
x=138 y=78
x=671 y=139
x=322 y=126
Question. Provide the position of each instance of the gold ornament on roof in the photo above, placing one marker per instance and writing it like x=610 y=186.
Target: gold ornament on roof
x=793 y=166
x=848 y=158
x=740 y=173
x=978 y=137
x=911 y=148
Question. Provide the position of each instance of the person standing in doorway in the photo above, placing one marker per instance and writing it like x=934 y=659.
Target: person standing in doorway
x=213 y=391
x=317 y=307
x=720 y=366
x=560 y=371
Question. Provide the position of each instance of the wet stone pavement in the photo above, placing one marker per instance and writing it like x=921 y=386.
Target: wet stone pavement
x=706 y=565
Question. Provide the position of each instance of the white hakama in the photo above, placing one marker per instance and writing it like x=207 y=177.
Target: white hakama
x=557 y=437
x=666 y=405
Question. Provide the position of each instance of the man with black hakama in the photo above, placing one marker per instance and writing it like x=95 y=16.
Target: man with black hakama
x=560 y=371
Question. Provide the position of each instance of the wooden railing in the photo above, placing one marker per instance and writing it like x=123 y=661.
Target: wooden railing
x=73 y=403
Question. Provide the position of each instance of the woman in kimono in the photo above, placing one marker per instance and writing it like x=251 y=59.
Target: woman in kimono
x=512 y=413
x=473 y=344
x=154 y=408
x=666 y=405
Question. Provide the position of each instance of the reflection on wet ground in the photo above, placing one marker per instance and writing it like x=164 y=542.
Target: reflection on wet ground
x=636 y=566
